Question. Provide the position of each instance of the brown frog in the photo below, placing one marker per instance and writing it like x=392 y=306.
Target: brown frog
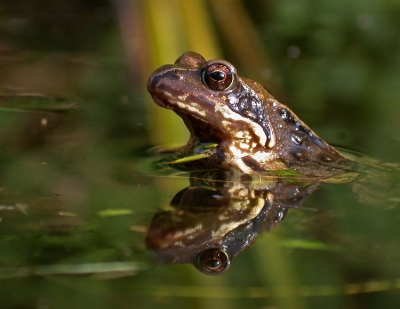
x=252 y=131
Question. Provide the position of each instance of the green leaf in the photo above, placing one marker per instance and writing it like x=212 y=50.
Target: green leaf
x=114 y=212
x=309 y=245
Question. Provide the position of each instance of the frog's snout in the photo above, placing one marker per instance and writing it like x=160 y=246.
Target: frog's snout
x=161 y=76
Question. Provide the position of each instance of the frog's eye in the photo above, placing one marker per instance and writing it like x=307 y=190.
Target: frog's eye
x=217 y=77
x=213 y=261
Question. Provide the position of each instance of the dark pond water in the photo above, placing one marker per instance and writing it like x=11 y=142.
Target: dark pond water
x=88 y=221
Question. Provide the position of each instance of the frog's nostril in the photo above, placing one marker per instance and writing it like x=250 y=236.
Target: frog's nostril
x=175 y=73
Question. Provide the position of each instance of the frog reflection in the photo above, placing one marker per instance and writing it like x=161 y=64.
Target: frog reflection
x=220 y=214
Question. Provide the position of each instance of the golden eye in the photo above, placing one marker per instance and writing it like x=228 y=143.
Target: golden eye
x=213 y=261
x=217 y=77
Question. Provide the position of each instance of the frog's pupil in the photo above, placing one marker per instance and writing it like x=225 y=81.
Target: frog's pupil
x=218 y=75
x=213 y=263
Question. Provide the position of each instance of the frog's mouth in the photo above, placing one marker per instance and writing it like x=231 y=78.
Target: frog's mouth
x=214 y=122
x=202 y=131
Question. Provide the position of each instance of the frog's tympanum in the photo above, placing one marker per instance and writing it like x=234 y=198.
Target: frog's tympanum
x=221 y=214
x=253 y=131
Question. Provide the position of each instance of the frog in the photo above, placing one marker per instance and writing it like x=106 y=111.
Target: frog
x=249 y=129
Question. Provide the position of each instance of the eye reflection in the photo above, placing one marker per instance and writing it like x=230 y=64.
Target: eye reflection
x=213 y=261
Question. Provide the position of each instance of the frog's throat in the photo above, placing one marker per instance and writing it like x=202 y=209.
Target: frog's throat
x=214 y=114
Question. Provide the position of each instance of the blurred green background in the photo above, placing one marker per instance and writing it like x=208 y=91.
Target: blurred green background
x=335 y=64
x=76 y=123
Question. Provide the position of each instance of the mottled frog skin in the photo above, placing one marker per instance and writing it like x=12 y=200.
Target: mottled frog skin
x=252 y=130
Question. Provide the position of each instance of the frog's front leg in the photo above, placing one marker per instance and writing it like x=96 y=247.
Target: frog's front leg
x=249 y=157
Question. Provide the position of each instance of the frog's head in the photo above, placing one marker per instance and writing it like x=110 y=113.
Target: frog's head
x=211 y=99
